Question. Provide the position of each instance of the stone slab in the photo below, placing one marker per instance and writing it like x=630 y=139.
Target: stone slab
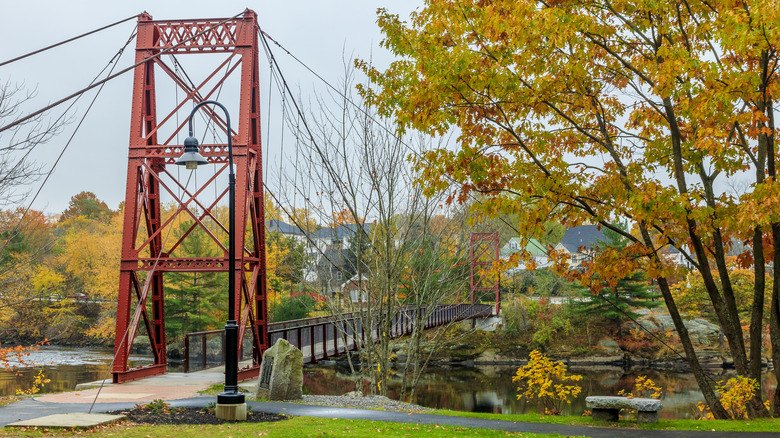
x=613 y=402
x=69 y=420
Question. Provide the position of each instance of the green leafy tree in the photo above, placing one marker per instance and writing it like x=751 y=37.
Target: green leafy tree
x=293 y=260
x=617 y=302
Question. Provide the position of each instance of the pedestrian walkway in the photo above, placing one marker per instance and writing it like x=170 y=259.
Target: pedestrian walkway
x=171 y=387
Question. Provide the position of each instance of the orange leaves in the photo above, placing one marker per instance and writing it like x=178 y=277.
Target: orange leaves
x=18 y=355
x=344 y=217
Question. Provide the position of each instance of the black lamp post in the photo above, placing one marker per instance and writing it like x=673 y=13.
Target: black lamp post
x=191 y=158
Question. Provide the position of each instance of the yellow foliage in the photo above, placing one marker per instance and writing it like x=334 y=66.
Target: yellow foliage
x=734 y=395
x=274 y=254
x=90 y=254
x=545 y=382
x=38 y=382
x=643 y=388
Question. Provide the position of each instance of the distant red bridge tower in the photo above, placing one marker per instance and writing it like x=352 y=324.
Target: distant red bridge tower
x=483 y=253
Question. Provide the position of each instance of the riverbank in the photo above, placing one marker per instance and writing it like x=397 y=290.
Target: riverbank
x=596 y=347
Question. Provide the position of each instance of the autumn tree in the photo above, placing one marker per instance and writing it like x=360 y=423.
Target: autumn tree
x=303 y=218
x=25 y=283
x=364 y=186
x=87 y=258
x=85 y=204
x=597 y=112
x=271 y=210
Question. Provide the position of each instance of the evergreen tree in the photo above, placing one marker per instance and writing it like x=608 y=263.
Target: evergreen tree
x=618 y=303
x=194 y=301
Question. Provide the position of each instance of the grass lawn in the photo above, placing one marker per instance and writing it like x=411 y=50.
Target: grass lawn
x=759 y=425
x=296 y=427
x=332 y=427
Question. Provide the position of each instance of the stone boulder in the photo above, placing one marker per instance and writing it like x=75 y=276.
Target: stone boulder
x=610 y=346
x=703 y=333
x=281 y=373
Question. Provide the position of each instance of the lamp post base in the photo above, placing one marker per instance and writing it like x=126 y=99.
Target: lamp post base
x=231 y=406
x=232 y=412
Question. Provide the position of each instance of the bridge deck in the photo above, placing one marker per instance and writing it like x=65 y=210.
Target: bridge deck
x=324 y=337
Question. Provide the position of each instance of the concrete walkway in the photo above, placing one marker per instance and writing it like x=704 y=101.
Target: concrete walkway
x=180 y=390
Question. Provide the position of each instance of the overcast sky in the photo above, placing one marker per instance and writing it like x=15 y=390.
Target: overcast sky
x=315 y=31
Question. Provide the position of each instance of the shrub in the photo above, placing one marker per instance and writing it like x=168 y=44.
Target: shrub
x=515 y=317
x=156 y=405
x=296 y=306
x=734 y=395
x=545 y=382
x=38 y=382
x=643 y=388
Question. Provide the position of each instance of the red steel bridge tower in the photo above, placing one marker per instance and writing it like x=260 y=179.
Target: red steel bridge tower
x=483 y=253
x=149 y=248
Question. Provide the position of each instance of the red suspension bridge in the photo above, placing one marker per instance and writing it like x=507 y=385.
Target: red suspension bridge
x=152 y=249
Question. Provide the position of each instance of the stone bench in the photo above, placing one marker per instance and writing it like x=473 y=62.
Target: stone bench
x=607 y=408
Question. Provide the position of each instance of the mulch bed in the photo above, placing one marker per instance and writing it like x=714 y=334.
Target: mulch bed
x=189 y=416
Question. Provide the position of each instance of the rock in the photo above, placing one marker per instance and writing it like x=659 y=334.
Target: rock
x=488 y=324
x=702 y=332
x=491 y=356
x=281 y=373
x=354 y=394
x=590 y=361
x=609 y=345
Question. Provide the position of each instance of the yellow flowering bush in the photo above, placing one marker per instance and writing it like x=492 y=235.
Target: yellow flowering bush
x=546 y=383
x=643 y=388
x=734 y=395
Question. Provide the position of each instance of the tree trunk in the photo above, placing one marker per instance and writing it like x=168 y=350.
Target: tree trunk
x=774 y=317
x=690 y=353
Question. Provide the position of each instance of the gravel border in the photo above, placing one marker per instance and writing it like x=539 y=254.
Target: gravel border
x=367 y=402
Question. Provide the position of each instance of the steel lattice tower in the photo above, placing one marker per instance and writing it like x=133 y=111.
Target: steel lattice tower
x=483 y=253
x=147 y=256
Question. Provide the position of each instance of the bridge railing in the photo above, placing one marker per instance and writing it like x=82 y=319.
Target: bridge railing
x=323 y=337
x=207 y=350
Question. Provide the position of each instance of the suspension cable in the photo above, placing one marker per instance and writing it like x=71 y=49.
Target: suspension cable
x=114 y=60
x=68 y=40
x=114 y=76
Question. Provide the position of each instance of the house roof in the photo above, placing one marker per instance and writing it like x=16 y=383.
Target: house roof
x=535 y=248
x=583 y=236
x=281 y=227
x=339 y=232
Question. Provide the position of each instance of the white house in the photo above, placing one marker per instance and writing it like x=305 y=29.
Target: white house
x=536 y=249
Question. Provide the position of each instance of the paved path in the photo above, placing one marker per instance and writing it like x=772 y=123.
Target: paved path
x=32 y=408
x=181 y=389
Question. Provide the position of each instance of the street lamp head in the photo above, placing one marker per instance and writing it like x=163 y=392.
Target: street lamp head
x=191 y=158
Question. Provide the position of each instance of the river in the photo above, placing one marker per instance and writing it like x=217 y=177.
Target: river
x=476 y=389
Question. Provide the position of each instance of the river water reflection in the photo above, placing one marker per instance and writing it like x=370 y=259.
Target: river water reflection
x=490 y=388
x=476 y=389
